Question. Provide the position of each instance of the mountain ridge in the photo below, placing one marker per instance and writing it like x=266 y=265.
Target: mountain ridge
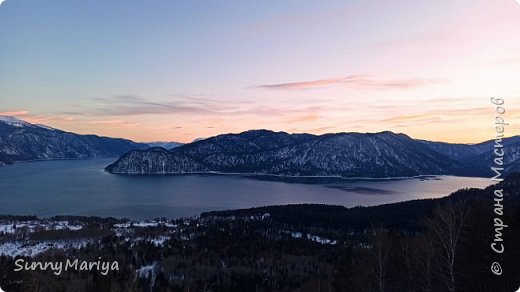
x=345 y=154
x=349 y=154
x=24 y=141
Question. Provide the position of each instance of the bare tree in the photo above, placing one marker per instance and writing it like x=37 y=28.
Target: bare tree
x=427 y=253
x=408 y=257
x=446 y=226
x=380 y=252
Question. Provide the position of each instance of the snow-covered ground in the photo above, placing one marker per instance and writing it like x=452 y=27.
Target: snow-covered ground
x=159 y=241
x=321 y=240
x=145 y=224
x=315 y=238
x=10 y=227
x=30 y=248
x=145 y=271
x=127 y=230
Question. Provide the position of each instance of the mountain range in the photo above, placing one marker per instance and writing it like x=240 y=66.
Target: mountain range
x=22 y=141
x=376 y=155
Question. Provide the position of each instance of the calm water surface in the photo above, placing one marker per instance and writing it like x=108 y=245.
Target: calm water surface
x=81 y=187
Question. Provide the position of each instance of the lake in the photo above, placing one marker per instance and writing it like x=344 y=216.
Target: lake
x=81 y=187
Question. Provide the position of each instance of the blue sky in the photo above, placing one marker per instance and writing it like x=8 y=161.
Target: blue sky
x=178 y=70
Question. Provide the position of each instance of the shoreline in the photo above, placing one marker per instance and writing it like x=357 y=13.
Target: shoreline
x=253 y=174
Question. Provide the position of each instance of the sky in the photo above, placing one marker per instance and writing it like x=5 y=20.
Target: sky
x=180 y=70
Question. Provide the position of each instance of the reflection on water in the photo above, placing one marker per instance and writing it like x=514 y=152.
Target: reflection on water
x=81 y=187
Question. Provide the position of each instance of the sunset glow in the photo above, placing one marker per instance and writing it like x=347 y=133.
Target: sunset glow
x=172 y=71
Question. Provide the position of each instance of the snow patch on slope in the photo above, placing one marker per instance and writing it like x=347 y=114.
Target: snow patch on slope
x=13 y=121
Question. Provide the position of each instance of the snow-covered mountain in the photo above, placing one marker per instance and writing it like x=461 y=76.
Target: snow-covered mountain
x=384 y=154
x=478 y=158
x=13 y=121
x=20 y=140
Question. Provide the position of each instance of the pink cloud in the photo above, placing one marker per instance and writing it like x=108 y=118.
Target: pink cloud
x=14 y=113
x=113 y=123
x=36 y=119
x=43 y=119
x=357 y=81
